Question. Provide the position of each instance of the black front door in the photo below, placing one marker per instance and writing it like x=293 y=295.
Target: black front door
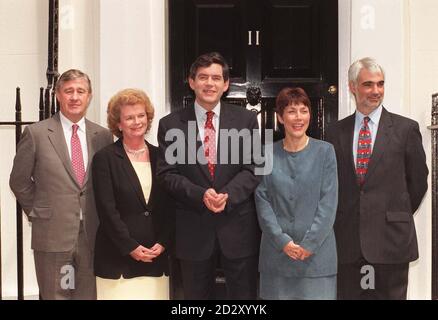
x=269 y=45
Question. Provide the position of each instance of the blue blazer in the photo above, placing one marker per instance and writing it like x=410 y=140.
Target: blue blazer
x=297 y=202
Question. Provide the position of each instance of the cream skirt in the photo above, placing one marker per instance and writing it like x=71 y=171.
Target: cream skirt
x=139 y=288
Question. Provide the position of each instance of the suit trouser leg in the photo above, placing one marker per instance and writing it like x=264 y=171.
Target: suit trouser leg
x=241 y=277
x=66 y=275
x=84 y=262
x=198 y=278
x=365 y=281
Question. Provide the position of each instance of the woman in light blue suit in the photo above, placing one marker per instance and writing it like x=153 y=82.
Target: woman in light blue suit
x=296 y=207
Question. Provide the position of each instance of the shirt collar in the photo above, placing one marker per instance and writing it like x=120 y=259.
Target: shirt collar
x=374 y=115
x=67 y=123
x=201 y=112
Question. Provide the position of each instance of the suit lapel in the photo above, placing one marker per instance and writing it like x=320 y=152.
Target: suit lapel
x=57 y=139
x=225 y=123
x=90 y=133
x=153 y=160
x=382 y=139
x=129 y=171
x=347 y=141
x=196 y=148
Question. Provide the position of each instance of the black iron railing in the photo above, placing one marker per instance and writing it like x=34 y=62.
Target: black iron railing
x=434 y=134
x=47 y=107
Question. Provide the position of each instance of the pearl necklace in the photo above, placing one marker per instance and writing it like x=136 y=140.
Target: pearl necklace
x=136 y=153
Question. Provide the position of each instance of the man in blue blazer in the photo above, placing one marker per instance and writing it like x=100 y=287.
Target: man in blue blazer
x=382 y=179
x=213 y=184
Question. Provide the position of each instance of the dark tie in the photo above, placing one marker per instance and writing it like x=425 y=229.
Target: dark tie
x=77 y=160
x=363 y=151
x=210 y=143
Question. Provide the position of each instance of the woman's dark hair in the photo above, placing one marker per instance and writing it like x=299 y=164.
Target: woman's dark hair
x=291 y=96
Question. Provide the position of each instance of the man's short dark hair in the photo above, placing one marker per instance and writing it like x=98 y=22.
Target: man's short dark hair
x=206 y=60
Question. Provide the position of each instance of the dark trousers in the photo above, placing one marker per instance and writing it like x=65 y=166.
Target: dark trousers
x=198 y=277
x=366 y=281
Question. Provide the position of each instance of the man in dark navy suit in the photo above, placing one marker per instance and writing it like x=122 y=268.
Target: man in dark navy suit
x=213 y=185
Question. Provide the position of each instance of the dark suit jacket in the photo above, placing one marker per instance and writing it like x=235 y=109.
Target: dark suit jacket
x=376 y=221
x=126 y=220
x=236 y=228
x=45 y=185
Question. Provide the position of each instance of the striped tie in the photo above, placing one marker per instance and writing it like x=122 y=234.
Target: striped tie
x=363 y=151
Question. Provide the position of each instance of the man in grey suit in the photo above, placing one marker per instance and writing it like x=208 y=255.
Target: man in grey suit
x=51 y=181
x=382 y=179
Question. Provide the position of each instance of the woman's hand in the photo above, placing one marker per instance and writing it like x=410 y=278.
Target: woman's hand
x=304 y=254
x=292 y=250
x=140 y=253
x=147 y=254
x=296 y=252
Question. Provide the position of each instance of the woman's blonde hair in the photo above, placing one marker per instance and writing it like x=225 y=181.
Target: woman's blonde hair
x=127 y=97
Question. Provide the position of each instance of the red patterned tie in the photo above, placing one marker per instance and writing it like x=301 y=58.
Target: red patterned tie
x=210 y=143
x=363 y=151
x=77 y=160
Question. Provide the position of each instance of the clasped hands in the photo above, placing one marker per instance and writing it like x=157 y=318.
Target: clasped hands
x=214 y=201
x=144 y=254
x=296 y=252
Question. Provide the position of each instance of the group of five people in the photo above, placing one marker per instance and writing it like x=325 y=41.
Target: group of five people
x=326 y=210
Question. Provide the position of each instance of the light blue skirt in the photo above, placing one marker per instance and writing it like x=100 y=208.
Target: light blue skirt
x=273 y=287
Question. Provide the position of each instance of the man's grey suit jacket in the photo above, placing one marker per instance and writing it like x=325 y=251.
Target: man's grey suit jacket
x=44 y=183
